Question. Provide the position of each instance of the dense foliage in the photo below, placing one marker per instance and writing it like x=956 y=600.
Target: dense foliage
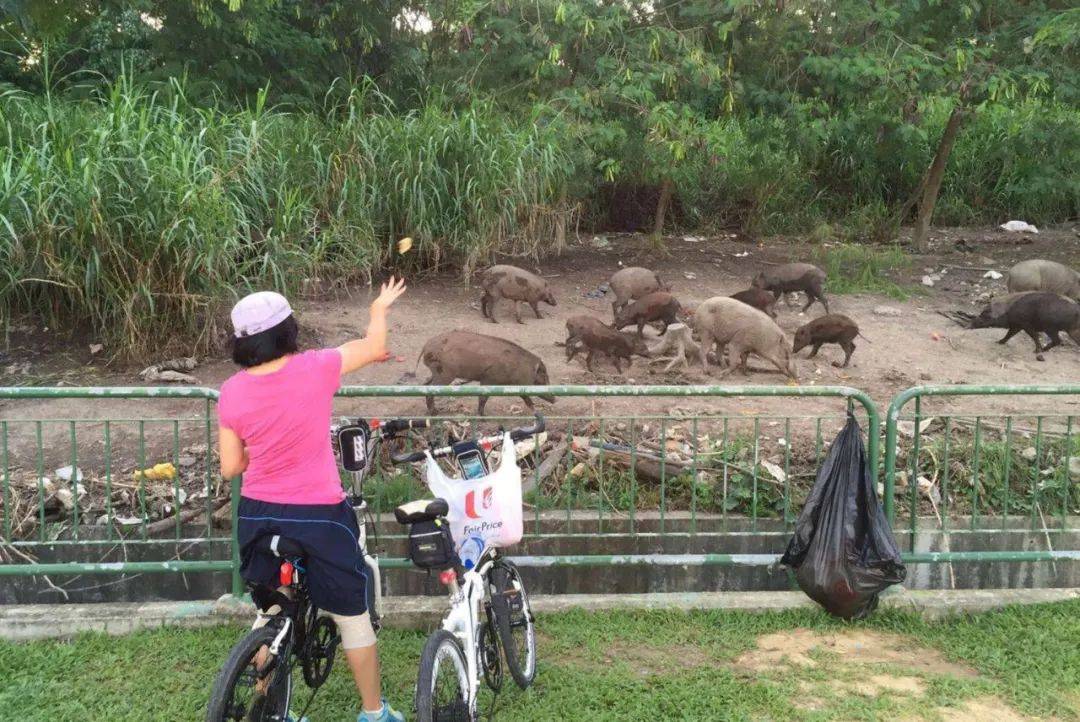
x=219 y=142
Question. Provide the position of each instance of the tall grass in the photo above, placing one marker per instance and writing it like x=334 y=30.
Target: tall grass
x=138 y=214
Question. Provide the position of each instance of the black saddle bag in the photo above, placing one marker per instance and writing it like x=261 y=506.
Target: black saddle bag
x=431 y=546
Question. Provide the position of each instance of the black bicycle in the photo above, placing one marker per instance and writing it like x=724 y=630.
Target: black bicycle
x=256 y=681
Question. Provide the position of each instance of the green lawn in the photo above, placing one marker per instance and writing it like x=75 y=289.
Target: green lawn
x=625 y=666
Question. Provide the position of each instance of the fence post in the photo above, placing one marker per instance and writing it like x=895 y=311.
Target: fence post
x=234 y=503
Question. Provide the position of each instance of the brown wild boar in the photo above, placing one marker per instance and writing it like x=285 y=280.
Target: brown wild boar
x=726 y=323
x=790 y=277
x=759 y=298
x=831 y=328
x=597 y=337
x=1040 y=275
x=1034 y=313
x=630 y=284
x=468 y=356
x=655 y=306
x=516 y=285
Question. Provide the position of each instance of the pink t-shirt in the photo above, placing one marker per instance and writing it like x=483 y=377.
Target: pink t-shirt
x=284 y=420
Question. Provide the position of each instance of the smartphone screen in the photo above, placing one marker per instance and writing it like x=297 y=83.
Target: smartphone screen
x=471 y=464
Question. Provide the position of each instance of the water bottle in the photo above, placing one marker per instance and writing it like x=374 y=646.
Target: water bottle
x=470 y=551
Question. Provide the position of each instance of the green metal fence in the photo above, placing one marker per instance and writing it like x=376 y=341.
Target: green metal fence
x=647 y=473
x=962 y=473
x=641 y=462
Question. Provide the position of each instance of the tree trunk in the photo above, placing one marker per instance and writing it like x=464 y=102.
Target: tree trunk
x=662 y=207
x=934 y=176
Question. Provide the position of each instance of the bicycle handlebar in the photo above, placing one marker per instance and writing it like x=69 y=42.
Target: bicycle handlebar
x=515 y=435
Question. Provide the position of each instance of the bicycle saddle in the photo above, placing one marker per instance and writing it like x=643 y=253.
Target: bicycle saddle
x=279 y=546
x=421 y=510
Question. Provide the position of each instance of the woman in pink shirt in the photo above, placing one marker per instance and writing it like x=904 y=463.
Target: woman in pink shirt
x=274 y=419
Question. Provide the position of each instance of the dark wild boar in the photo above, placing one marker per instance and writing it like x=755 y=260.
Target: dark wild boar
x=468 y=356
x=516 y=285
x=1034 y=313
x=831 y=328
x=655 y=306
x=790 y=277
x=597 y=337
x=758 y=298
x=630 y=284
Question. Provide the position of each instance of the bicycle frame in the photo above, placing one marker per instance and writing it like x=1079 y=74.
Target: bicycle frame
x=464 y=618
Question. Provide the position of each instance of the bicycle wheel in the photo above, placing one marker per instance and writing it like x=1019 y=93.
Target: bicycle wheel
x=514 y=620
x=442 y=689
x=236 y=695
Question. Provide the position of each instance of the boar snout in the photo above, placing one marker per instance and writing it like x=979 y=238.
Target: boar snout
x=549 y=298
x=802 y=340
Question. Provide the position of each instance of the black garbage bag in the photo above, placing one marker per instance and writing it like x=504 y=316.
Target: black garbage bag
x=843 y=551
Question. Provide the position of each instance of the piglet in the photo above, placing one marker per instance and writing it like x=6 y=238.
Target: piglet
x=831 y=328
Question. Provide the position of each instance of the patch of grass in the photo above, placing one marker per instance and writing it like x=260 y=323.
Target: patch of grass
x=856 y=268
x=641 y=665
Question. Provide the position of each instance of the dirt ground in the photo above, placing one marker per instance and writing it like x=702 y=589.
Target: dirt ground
x=913 y=346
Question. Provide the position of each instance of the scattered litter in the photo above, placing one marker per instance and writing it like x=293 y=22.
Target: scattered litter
x=928 y=281
x=992 y=275
x=888 y=311
x=404 y=245
x=67 y=499
x=579 y=469
x=1028 y=454
x=775 y=471
x=1018 y=227
x=96 y=348
x=744 y=254
x=689 y=276
x=157 y=472
x=64 y=473
x=907 y=428
x=600 y=243
x=692 y=239
x=1074 y=468
x=595 y=293
x=935 y=336
x=171 y=370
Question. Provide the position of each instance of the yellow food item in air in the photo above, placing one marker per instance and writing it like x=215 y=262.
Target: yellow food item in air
x=157 y=472
x=404 y=245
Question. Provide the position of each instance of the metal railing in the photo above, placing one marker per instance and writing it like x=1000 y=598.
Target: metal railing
x=983 y=472
x=627 y=471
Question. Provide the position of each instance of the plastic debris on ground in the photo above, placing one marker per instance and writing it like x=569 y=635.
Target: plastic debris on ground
x=172 y=370
x=1018 y=227
x=843 y=551
x=992 y=275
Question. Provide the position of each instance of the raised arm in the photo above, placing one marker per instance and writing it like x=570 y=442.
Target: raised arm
x=361 y=352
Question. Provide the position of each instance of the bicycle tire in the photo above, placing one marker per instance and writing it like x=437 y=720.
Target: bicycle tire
x=511 y=617
x=222 y=708
x=442 y=646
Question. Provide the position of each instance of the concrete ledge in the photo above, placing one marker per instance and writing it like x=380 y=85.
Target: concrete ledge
x=40 y=621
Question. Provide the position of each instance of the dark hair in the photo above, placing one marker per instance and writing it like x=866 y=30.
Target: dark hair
x=268 y=345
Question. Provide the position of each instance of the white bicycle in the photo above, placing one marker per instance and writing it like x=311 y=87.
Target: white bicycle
x=489 y=617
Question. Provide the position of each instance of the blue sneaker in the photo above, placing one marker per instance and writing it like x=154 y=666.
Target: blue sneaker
x=386 y=714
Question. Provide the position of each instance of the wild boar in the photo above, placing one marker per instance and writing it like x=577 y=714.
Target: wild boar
x=655 y=306
x=726 y=323
x=790 y=277
x=1034 y=313
x=597 y=337
x=468 y=356
x=759 y=298
x=630 y=284
x=516 y=285
x=1040 y=275
x=831 y=328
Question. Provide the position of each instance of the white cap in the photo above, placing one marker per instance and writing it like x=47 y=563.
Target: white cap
x=258 y=312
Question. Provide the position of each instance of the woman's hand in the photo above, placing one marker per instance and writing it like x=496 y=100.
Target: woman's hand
x=390 y=292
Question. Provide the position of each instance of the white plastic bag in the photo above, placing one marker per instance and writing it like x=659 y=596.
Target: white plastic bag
x=1018 y=227
x=484 y=512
